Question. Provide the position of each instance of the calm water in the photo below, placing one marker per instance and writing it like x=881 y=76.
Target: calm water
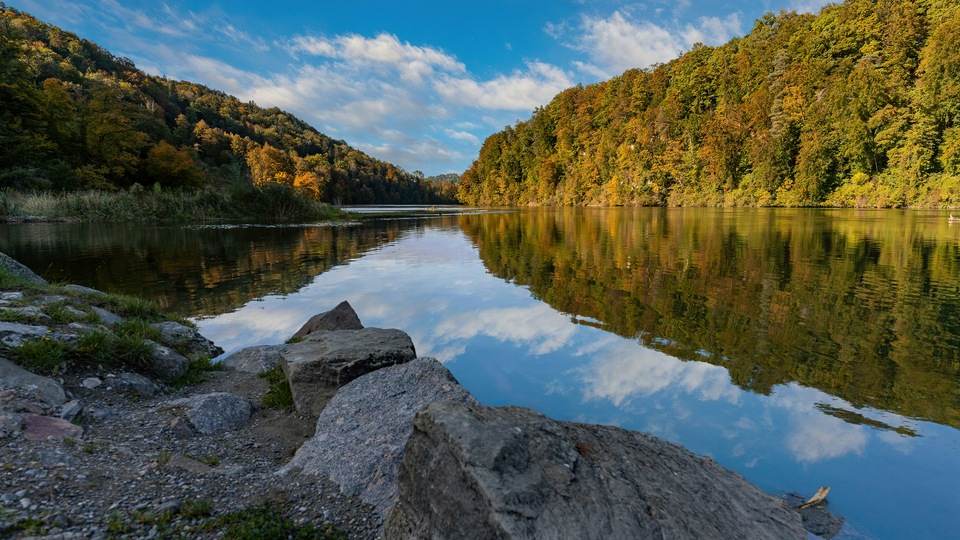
x=799 y=348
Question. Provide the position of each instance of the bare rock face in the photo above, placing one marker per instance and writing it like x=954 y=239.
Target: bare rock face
x=509 y=472
x=39 y=428
x=362 y=431
x=318 y=366
x=45 y=388
x=256 y=359
x=341 y=317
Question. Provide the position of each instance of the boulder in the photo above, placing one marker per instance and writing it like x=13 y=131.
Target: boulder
x=256 y=359
x=107 y=317
x=174 y=332
x=362 y=431
x=167 y=363
x=71 y=410
x=325 y=361
x=209 y=413
x=45 y=388
x=136 y=384
x=509 y=472
x=341 y=317
x=83 y=290
x=9 y=264
x=14 y=334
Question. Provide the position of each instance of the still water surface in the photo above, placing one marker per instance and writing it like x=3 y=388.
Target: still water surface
x=798 y=348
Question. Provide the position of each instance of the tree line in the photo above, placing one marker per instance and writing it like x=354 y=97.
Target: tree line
x=856 y=106
x=73 y=116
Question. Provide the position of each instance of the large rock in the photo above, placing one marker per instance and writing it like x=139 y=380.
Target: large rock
x=209 y=413
x=341 y=317
x=486 y=472
x=136 y=384
x=325 y=361
x=11 y=265
x=165 y=362
x=45 y=388
x=256 y=359
x=174 y=332
x=362 y=431
x=14 y=334
x=41 y=428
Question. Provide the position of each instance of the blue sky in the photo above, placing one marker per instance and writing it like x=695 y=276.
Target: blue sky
x=417 y=83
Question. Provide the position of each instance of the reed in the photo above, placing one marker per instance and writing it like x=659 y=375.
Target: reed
x=274 y=204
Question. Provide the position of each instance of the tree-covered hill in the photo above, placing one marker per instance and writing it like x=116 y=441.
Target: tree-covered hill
x=856 y=106
x=73 y=116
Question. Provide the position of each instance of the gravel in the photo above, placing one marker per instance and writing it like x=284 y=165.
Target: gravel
x=132 y=465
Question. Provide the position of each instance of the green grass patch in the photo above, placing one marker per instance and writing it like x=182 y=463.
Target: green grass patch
x=278 y=393
x=263 y=522
x=197 y=372
x=44 y=355
x=195 y=508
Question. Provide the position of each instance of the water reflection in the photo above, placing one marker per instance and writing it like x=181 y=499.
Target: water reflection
x=799 y=349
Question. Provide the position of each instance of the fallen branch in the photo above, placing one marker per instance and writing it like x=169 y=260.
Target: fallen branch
x=818 y=497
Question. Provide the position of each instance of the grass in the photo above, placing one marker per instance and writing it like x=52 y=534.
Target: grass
x=262 y=522
x=42 y=355
x=278 y=393
x=270 y=203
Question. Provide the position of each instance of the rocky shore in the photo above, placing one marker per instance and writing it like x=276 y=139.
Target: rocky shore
x=375 y=442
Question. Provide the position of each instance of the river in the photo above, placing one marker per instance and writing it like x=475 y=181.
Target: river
x=800 y=348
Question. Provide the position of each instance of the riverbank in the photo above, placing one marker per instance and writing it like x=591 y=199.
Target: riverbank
x=270 y=204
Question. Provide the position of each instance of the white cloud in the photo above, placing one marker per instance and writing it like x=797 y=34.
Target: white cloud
x=617 y=43
x=810 y=6
x=462 y=136
x=540 y=326
x=521 y=90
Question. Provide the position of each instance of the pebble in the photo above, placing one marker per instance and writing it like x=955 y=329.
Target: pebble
x=91 y=382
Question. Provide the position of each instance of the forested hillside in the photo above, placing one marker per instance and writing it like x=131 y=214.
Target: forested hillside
x=856 y=106
x=73 y=116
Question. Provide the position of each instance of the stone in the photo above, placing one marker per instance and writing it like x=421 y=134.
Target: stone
x=174 y=332
x=362 y=431
x=341 y=317
x=14 y=334
x=10 y=424
x=46 y=389
x=107 y=317
x=167 y=363
x=181 y=428
x=29 y=312
x=509 y=472
x=83 y=290
x=11 y=296
x=209 y=413
x=91 y=382
x=12 y=266
x=71 y=410
x=255 y=359
x=325 y=361
x=136 y=384
x=40 y=428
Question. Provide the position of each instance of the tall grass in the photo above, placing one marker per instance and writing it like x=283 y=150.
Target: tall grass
x=273 y=203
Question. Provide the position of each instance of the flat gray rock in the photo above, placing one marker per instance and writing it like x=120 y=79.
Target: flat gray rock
x=323 y=362
x=509 y=472
x=40 y=428
x=255 y=359
x=84 y=290
x=341 y=317
x=209 y=413
x=11 y=265
x=13 y=334
x=45 y=388
x=106 y=317
x=362 y=431
x=174 y=332
x=30 y=312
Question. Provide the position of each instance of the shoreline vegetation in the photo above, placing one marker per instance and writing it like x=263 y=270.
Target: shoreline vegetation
x=271 y=203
